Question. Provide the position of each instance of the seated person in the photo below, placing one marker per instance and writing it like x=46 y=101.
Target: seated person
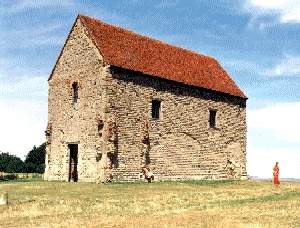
x=148 y=174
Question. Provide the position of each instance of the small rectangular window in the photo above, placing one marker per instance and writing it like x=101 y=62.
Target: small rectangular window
x=155 y=109
x=74 y=93
x=212 y=118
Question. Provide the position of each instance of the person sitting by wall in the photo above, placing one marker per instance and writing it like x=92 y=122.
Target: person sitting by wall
x=148 y=174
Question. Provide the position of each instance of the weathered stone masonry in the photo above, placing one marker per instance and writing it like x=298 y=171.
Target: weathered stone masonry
x=116 y=136
x=79 y=62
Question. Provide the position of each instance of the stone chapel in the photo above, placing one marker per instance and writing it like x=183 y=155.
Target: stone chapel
x=119 y=101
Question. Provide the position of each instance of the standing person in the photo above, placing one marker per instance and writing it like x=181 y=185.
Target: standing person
x=276 y=174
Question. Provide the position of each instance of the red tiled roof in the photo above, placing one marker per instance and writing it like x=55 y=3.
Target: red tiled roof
x=122 y=48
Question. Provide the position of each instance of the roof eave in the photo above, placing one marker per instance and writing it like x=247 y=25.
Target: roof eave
x=243 y=96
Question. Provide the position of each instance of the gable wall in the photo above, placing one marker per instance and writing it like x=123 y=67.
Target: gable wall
x=79 y=62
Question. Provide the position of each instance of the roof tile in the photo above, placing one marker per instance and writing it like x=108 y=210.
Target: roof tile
x=128 y=50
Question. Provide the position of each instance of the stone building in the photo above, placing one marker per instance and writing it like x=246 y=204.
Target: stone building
x=119 y=101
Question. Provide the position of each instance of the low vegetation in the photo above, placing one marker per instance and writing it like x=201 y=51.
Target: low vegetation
x=160 y=204
x=20 y=176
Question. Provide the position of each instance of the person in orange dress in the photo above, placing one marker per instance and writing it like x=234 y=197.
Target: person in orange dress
x=276 y=175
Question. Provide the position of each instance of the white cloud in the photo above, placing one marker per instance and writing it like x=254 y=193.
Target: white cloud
x=37 y=35
x=273 y=135
x=24 y=87
x=289 y=65
x=166 y=3
x=23 y=108
x=242 y=65
x=260 y=162
x=38 y=4
x=22 y=125
x=288 y=10
x=279 y=120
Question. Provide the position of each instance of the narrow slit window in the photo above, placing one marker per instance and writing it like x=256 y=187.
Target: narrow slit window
x=75 y=93
x=212 y=118
x=155 y=109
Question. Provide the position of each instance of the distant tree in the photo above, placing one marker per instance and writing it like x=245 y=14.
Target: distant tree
x=11 y=163
x=35 y=159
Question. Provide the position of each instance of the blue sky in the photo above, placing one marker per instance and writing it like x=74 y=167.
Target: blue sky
x=256 y=41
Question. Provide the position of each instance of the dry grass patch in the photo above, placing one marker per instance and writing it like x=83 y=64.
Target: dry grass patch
x=164 y=204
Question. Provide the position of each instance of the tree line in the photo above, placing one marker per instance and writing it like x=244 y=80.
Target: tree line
x=34 y=161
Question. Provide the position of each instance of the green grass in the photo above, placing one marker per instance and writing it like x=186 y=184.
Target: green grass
x=293 y=195
x=159 y=204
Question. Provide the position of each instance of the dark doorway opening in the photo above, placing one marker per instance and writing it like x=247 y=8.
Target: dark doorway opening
x=73 y=174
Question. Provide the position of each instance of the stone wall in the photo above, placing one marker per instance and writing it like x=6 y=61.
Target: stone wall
x=114 y=130
x=181 y=144
x=79 y=62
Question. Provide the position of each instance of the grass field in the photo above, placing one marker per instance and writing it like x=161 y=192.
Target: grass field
x=161 y=204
